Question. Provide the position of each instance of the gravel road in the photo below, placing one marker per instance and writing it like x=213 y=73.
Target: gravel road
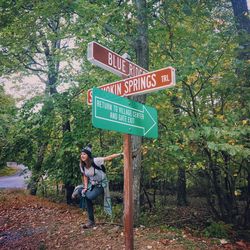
x=19 y=180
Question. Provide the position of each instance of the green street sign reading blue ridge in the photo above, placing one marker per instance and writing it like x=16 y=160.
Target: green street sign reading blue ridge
x=120 y=114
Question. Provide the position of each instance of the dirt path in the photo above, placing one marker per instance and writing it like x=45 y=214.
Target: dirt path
x=29 y=222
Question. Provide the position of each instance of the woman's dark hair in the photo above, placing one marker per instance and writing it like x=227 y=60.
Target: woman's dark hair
x=87 y=150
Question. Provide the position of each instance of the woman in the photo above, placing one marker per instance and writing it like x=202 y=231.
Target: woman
x=94 y=181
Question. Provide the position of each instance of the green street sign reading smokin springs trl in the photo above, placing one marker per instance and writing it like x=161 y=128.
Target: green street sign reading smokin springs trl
x=120 y=114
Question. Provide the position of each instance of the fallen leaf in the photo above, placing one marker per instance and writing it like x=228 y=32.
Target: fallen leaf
x=241 y=244
x=223 y=241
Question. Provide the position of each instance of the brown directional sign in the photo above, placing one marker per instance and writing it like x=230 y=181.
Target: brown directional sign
x=109 y=60
x=149 y=82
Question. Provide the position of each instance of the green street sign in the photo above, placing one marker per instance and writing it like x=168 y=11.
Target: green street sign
x=120 y=114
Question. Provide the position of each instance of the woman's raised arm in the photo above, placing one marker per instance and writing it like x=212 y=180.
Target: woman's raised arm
x=111 y=157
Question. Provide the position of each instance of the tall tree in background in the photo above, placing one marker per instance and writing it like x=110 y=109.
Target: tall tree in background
x=241 y=14
x=242 y=19
x=34 y=40
x=7 y=121
x=142 y=57
x=199 y=41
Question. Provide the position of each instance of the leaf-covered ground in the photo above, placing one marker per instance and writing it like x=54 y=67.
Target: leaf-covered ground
x=30 y=222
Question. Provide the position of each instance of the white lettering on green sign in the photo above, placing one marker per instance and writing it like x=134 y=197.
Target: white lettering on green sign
x=116 y=113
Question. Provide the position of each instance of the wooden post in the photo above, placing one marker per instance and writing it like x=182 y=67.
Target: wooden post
x=128 y=194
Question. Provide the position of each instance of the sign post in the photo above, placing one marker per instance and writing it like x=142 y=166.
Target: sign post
x=131 y=117
x=128 y=194
x=109 y=60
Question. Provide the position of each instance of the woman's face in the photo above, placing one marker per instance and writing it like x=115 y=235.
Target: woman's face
x=84 y=156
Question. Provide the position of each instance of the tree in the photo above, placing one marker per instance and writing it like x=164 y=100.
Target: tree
x=39 y=46
x=142 y=58
x=202 y=51
x=241 y=14
x=7 y=121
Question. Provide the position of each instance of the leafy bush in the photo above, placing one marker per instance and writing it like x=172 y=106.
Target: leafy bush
x=218 y=230
x=117 y=213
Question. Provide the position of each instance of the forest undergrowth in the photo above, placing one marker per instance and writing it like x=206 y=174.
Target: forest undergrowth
x=31 y=222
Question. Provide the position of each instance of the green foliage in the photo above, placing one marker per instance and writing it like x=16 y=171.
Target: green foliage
x=6 y=171
x=51 y=189
x=218 y=230
x=7 y=122
x=117 y=213
x=198 y=129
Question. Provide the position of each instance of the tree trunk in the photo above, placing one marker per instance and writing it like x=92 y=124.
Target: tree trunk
x=181 y=182
x=241 y=14
x=142 y=56
x=221 y=200
x=242 y=19
x=181 y=187
x=247 y=208
x=36 y=171
x=136 y=144
x=69 y=188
